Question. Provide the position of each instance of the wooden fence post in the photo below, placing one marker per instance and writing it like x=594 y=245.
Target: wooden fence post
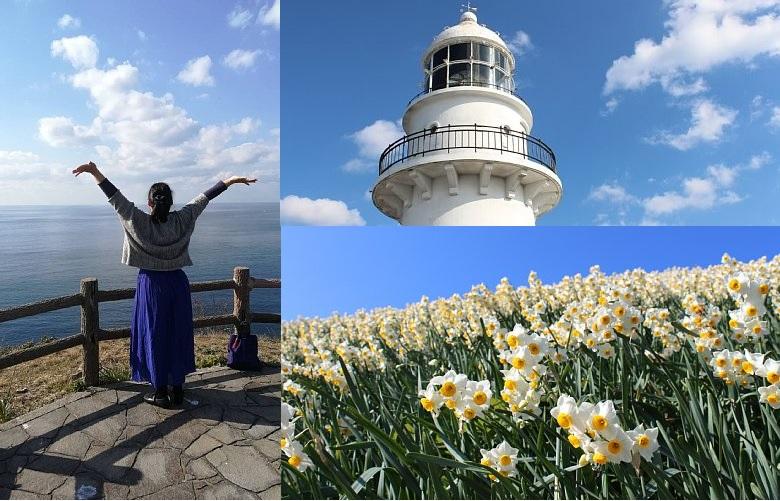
x=90 y=329
x=241 y=309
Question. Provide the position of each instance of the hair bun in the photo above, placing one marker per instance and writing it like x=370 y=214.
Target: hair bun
x=160 y=198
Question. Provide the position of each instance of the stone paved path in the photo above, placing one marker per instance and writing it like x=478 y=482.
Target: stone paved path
x=107 y=443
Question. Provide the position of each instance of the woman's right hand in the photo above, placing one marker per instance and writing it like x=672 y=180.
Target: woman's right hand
x=239 y=180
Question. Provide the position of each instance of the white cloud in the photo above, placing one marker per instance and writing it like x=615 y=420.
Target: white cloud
x=270 y=15
x=610 y=106
x=371 y=142
x=775 y=120
x=61 y=131
x=520 y=43
x=80 y=51
x=141 y=35
x=612 y=193
x=701 y=35
x=699 y=193
x=240 y=59
x=358 y=165
x=708 y=123
x=137 y=132
x=196 y=72
x=67 y=21
x=678 y=88
x=23 y=166
x=320 y=212
x=373 y=139
x=239 y=17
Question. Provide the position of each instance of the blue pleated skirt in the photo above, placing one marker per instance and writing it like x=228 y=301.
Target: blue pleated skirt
x=162 y=347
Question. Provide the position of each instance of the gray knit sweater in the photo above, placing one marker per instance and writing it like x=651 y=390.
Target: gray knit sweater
x=157 y=246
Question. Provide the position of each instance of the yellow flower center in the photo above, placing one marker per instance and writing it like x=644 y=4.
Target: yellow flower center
x=283 y=443
x=469 y=413
x=734 y=285
x=599 y=458
x=763 y=289
x=294 y=461
x=772 y=377
x=504 y=460
x=510 y=385
x=643 y=440
x=751 y=310
x=599 y=423
x=427 y=404
x=518 y=363
x=512 y=341
x=720 y=362
x=733 y=323
x=448 y=389
x=573 y=440
x=533 y=349
x=772 y=399
x=485 y=462
x=757 y=329
x=564 y=420
x=614 y=446
x=450 y=404
x=604 y=320
x=480 y=398
x=747 y=367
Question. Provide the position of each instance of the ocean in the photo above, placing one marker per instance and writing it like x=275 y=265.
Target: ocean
x=45 y=251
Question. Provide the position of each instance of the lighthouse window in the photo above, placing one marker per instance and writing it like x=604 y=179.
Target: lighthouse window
x=460 y=51
x=439 y=57
x=482 y=74
x=482 y=52
x=460 y=74
x=439 y=80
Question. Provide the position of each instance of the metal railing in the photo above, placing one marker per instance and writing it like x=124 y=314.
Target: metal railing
x=467 y=137
x=91 y=333
x=470 y=83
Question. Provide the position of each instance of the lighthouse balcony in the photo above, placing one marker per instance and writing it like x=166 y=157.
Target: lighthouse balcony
x=474 y=140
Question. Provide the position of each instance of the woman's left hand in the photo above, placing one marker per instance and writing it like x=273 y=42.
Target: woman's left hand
x=239 y=179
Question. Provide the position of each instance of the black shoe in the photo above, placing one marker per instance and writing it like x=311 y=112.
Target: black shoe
x=160 y=400
x=177 y=398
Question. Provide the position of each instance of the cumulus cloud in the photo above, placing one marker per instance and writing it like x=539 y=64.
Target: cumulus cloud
x=270 y=15
x=240 y=59
x=69 y=22
x=138 y=132
x=701 y=35
x=295 y=210
x=775 y=120
x=239 y=17
x=708 y=124
x=18 y=165
x=520 y=43
x=371 y=141
x=141 y=35
x=197 y=72
x=713 y=189
x=80 y=51
x=611 y=192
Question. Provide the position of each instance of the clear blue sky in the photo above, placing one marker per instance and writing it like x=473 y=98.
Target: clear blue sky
x=148 y=90
x=344 y=269
x=686 y=131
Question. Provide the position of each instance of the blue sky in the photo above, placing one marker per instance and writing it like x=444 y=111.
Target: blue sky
x=660 y=111
x=186 y=92
x=344 y=269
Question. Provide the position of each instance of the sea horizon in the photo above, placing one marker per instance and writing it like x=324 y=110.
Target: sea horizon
x=45 y=251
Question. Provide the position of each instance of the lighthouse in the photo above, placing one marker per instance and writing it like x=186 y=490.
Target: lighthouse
x=467 y=157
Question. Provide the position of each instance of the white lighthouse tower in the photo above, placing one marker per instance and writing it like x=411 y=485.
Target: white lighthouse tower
x=468 y=158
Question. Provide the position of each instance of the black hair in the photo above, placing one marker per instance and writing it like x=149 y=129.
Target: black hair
x=161 y=200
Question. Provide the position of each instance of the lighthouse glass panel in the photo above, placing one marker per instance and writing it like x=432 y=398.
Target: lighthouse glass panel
x=439 y=80
x=482 y=53
x=460 y=51
x=468 y=63
x=439 y=56
x=460 y=74
x=482 y=74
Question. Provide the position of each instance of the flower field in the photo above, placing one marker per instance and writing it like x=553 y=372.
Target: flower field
x=633 y=385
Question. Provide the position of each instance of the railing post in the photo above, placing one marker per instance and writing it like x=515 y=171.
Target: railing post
x=241 y=309
x=90 y=329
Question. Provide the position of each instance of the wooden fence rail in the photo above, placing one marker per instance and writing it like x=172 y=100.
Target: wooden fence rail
x=89 y=298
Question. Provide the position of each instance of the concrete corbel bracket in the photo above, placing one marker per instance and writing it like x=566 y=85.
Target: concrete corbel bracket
x=534 y=189
x=513 y=184
x=452 y=178
x=484 y=178
x=403 y=192
x=423 y=183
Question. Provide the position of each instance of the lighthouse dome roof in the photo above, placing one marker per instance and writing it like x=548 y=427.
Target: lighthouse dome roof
x=467 y=29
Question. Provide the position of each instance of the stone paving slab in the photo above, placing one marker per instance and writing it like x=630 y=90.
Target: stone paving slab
x=107 y=443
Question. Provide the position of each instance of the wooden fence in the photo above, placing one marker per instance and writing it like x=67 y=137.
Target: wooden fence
x=89 y=297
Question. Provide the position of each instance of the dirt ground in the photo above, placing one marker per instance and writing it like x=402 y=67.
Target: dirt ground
x=36 y=383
